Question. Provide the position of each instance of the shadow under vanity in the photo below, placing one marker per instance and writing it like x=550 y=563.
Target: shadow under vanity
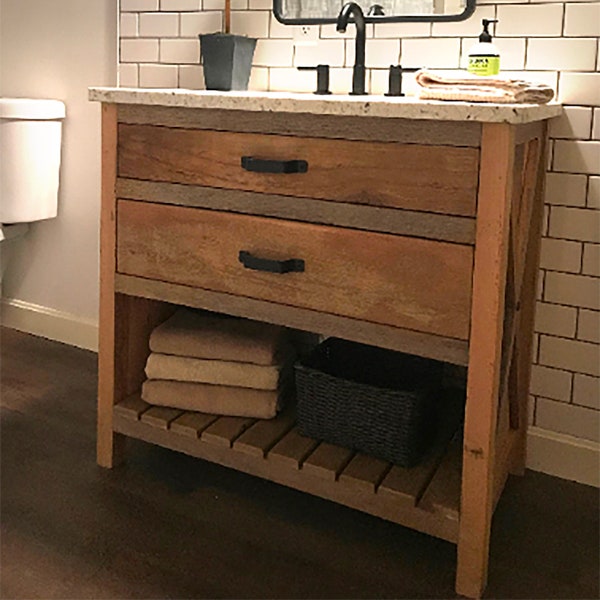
x=419 y=226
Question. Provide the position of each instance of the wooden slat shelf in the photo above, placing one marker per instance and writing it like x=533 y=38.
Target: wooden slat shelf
x=425 y=497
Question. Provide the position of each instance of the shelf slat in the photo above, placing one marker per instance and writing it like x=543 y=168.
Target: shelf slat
x=263 y=435
x=292 y=450
x=443 y=493
x=160 y=416
x=409 y=485
x=225 y=430
x=365 y=472
x=327 y=461
x=131 y=407
x=192 y=424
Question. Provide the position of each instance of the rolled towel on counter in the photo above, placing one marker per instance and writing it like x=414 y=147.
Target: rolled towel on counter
x=199 y=335
x=475 y=88
x=214 y=399
x=217 y=372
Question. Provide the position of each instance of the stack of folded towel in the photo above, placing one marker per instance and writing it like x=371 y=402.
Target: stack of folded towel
x=219 y=365
x=475 y=88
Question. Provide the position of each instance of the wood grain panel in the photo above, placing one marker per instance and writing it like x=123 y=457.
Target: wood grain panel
x=415 y=223
x=410 y=131
x=524 y=341
x=447 y=349
x=438 y=179
x=405 y=282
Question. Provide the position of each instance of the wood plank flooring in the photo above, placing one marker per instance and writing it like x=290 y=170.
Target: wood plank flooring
x=169 y=526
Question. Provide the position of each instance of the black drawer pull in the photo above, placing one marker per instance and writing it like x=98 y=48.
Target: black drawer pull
x=271 y=266
x=262 y=165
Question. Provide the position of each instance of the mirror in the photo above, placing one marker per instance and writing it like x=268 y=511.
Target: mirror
x=308 y=12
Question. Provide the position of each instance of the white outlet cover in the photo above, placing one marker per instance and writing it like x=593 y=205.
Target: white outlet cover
x=306 y=34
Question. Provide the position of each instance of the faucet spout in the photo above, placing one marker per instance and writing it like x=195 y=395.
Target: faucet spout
x=352 y=9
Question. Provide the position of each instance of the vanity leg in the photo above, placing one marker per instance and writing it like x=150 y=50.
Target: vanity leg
x=485 y=350
x=109 y=446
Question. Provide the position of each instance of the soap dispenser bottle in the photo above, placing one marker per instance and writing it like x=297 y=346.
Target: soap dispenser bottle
x=484 y=58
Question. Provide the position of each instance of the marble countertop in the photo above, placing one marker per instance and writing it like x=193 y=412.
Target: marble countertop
x=342 y=105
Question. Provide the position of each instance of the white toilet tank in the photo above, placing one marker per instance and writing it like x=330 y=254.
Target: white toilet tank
x=30 y=143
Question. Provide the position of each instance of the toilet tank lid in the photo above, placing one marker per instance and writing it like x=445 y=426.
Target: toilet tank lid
x=34 y=109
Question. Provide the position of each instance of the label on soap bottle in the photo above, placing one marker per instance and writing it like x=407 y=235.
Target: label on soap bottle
x=484 y=65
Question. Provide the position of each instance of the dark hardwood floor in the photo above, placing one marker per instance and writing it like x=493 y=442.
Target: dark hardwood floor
x=169 y=526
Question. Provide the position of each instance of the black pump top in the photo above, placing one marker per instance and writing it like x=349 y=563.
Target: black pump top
x=485 y=35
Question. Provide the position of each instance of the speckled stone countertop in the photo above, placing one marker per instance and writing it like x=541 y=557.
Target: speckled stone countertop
x=342 y=105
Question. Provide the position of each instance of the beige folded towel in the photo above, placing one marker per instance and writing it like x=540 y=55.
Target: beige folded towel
x=213 y=399
x=475 y=88
x=216 y=372
x=200 y=335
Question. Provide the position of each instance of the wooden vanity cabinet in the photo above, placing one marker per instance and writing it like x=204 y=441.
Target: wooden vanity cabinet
x=416 y=235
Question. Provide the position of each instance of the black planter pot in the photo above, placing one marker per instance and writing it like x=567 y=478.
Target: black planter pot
x=227 y=60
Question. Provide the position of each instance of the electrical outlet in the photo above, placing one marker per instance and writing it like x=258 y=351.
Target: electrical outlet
x=306 y=34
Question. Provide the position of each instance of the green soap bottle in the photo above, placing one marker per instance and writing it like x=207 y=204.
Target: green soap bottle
x=484 y=58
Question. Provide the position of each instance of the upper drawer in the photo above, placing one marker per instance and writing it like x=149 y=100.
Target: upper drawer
x=440 y=179
x=380 y=278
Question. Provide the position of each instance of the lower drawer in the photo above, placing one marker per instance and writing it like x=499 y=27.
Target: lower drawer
x=404 y=282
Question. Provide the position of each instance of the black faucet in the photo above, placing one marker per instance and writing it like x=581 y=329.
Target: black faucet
x=358 y=73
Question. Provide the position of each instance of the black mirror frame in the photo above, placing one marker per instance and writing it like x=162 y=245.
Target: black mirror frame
x=469 y=10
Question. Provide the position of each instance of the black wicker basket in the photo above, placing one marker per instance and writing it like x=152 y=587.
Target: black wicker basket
x=369 y=399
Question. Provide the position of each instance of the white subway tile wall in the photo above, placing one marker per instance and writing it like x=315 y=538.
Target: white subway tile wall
x=588 y=326
x=593 y=194
x=159 y=24
x=180 y=5
x=561 y=255
x=549 y=41
x=586 y=391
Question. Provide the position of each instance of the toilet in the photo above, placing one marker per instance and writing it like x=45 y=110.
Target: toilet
x=30 y=144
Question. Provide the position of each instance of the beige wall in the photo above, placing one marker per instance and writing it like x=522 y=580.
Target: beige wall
x=56 y=49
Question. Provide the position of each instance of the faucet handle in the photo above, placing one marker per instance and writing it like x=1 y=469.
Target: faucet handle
x=376 y=11
x=322 y=78
x=395 y=80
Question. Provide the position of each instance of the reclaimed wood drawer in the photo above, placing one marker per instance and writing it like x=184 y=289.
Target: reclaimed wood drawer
x=433 y=178
x=400 y=281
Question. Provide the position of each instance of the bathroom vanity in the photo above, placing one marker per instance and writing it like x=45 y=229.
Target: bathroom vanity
x=419 y=225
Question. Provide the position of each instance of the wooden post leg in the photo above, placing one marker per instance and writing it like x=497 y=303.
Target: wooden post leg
x=113 y=364
x=108 y=443
x=485 y=349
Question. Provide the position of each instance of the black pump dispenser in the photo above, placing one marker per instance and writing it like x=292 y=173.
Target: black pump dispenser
x=485 y=34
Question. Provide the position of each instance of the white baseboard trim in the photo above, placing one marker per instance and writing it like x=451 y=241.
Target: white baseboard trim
x=49 y=323
x=563 y=456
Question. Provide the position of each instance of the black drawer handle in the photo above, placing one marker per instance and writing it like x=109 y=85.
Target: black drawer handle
x=262 y=165
x=271 y=266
